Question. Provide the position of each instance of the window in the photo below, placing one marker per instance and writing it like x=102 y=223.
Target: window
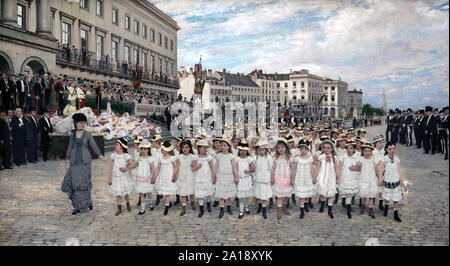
x=144 y=60
x=160 y=65
x=160 y=39
x=127 y=22
x=99 y=47
x=136 y=27
x=65 y=33
x=285 y=85
x=303 y=97
x=166 y=43
x=172 y=70
x=332 y=98
x=114 y=51
x=294 y=84
x=303 y=84
x=99 y=8
x=325 y=98
x=84 y=4
x=115 y=16
x=136 y=56
x=144 y=31
x=278 y=85
x=127 y=54
x=84 y=39
x=332 y=88
x=21 y=16
x=295 y=97
x=153 y=62
x=171 y=45
x=152 y=35
x=326 y=88
x=167 y=68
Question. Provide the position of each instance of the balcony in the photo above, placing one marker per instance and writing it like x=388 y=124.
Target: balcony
x=118 y=70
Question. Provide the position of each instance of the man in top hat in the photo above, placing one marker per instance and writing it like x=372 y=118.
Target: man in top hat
x=37 y=92
x=31 y=131
x=4 y=93
x=59 y=90
x=22 y=88
x=47 y=86
x=403 y=129
x=389 y=124
x=396 y=123
x=409 y=126
x=418 y=128
x=435 y=140
x=45 y=126
x=19 y=137
x=430 y=130
x=443 y=131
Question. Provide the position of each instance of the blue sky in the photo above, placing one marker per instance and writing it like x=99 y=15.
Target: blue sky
x=397 y=46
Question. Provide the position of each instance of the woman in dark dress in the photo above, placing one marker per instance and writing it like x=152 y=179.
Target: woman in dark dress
x=77 y=181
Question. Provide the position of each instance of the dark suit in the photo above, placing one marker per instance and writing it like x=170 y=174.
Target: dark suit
x=4 y=89
x=443 y=134
x=28 y=97
x=31 y=127
x=409 y=128
x=389 y=128
x=430 y=128
x=37 y=88
x=396 y=129
x=45 y=127
x=21 y=90
x=419 y=130
x=19 y=138
x=435 y=140
x=59 y=90
x=403 y=130
x=6 y=146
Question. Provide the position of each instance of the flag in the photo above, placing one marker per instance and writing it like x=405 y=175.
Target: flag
x=136 y=77
x=321 y=99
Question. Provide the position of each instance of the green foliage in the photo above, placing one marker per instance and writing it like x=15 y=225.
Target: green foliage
x=158 y=118
x=58 y=146
x=370 y=110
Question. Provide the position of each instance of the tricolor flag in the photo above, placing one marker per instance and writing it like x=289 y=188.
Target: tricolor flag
x=321 y=99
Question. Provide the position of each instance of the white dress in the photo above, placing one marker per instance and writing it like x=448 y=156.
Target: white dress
x=225 y=186
x=368 y=180
x=341 y=152
x=166 y=186
x=282 y=186
x=203 y=178
x=378 y=156
x=349 y=182
x=391 y=177
x=245 y=185
x=262 y=188
x=121 y=183
x=326 y=178
x=156 y=155
x=186 y=177
x=144 y=176
x=303 y=183
x=136 y=155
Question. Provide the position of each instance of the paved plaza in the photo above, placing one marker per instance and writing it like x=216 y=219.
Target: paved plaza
x=34 y=211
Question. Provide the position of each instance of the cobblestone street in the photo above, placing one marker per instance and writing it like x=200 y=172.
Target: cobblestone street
x=34 y=211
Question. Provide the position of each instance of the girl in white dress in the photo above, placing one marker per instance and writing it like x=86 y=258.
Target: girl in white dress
x=393 y=183
x=378 y=155
x=305 y=179
x=136 y=154
x=156 y=154
x=349 y=167
x=186 y=179
x=281 y=175
x=216 y=148
x=294 y=152
x=244 y=166
x=203 y=168
x=226 y=176
x=119 y=177
x=145 y=170
x=369 y=181
x=327 y=179
x=262 y=188
x=167 y=173
x=341 y=150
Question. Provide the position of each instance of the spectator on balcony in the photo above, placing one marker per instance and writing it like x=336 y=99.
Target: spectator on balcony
x=68 y=52
x=84 y=55
x=107 y=62
x=75 y=52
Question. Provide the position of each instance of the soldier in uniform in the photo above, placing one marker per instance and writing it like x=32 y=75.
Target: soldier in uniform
x=430 y=130
x=389 y=126
x=435 y=141
x=418 y=128
x=396 y=123
x=403 y=129
x=409 y=121
x=443 y=131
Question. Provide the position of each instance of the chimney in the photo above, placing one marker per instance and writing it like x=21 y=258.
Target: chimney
x=260 y=73
x=224 y=76
x=209 y=72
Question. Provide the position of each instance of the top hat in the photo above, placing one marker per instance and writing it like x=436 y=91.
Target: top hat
x=428 y=109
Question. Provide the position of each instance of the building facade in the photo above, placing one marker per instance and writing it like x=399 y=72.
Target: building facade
x=110 y=40
x=355 y=102
x=335 y=99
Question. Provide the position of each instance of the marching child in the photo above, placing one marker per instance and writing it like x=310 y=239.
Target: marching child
x=281 y=176
x=349 y=166
x=224 y=171
x=119 y=177
x=393 y=183
x=262 y=188
x=144 y=172
x=244 y=166
x=341 y=142
x=327 y=177
x=156 y=154
x=136 y=154
x=305 y=179
x=368 y=181
x=203 y=168
x=167 y=173
x=186 y=179
x=378 y=155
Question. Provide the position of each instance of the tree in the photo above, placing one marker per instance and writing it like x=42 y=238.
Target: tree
x=370 y=110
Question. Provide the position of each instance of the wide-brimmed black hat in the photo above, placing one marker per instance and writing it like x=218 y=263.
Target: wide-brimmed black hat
x=78 y=117
x=428 y=109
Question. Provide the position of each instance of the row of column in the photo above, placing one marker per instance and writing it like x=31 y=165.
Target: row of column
x=9 y=15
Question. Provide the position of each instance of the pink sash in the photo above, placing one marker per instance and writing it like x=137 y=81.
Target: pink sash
x=282 y=182
x=142 y=179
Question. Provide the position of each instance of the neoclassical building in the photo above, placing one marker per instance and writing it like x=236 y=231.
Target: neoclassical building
x=110 y=40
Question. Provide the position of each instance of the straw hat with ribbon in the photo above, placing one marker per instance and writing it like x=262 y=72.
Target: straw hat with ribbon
x=138 y=139
x=145 y=144
x=156 y=138
x=243 y=145
x=304 y=143
x=377 y=138
x=367 y=145
x=202 y=142
x=227 y=140
x=122 y=143
x=167 y=148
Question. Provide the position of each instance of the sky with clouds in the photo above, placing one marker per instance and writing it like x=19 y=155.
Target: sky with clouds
x=399 y=46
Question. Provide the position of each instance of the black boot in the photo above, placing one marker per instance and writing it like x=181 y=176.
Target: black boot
x=222 y=212
x=90 y=206
x=287 y=204
x=170 y=205
x=166 y=210
x=310 y=204
x=343 y=203
x=216 y=203
x=200 y=213
x=360 y=202
x=349 y=211
x=386 y=208
x=396 y=216
x=229 y=210
x=330 y=212
x=259 y=208
x=270 y=203
x=336 y=198
x=208 y=206
x=380 y=205
x=237 y=202
x=139 y=202
x=158 y=199
x=264 y=214
x=353 y=200
x=177 y=201
x=75 y=211
x=241 y=214
x=293 y=199
x=306 y=207
x=302 y=212
x=322 y=206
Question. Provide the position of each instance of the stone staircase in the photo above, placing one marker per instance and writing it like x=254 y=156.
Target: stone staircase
x=165 y=134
